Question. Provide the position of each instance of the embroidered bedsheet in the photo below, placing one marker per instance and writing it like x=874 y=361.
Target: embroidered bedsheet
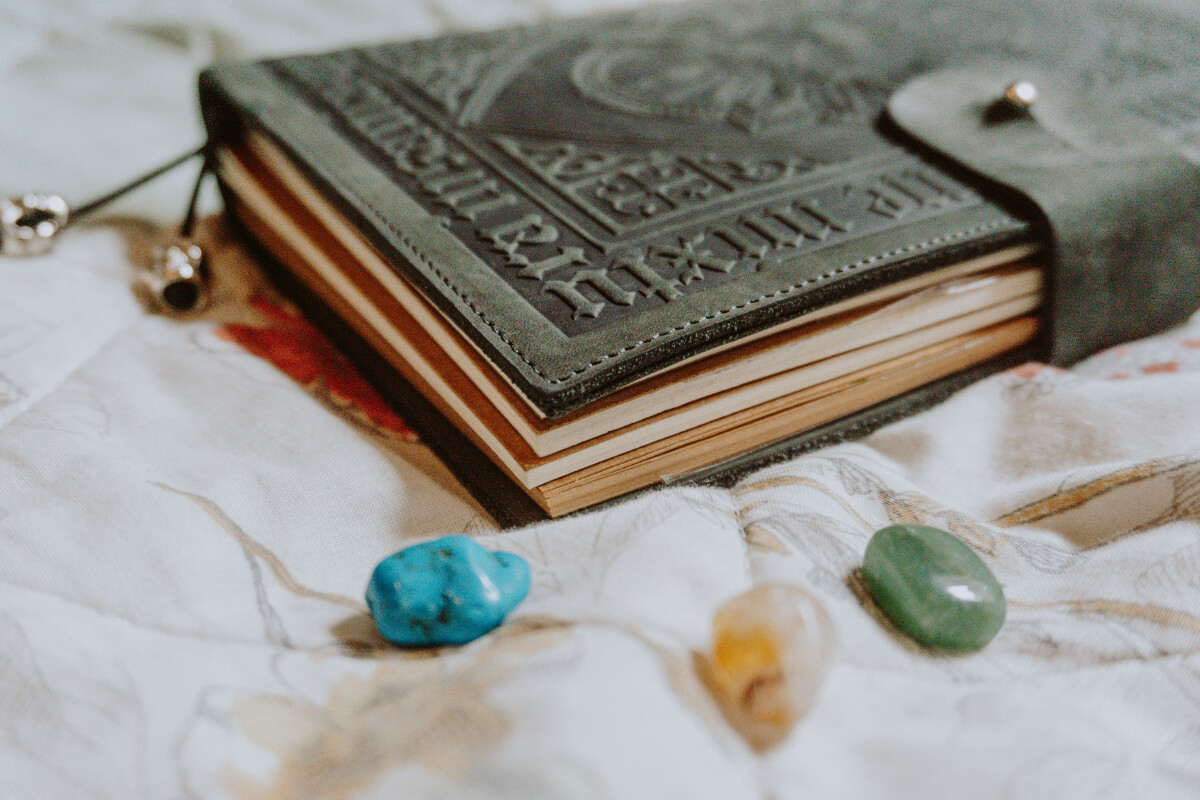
x=189 y=511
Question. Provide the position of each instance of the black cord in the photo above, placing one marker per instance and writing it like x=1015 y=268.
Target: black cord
x=99 y=202
x=189 y=219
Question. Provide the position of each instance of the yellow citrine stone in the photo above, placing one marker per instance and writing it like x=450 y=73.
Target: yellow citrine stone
x=771 y=648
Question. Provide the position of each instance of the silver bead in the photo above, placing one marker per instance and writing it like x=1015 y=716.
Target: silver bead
x=1021 y=95
x=29 y=224
x=176 y=279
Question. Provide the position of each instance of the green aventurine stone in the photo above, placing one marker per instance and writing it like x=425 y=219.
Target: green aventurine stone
x=933 y=587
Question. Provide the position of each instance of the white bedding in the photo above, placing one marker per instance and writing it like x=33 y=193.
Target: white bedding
x=186 y=528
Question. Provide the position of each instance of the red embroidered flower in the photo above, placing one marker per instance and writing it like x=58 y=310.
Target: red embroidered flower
x=293 y=345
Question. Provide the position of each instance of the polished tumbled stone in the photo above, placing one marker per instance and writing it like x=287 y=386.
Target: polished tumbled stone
x=447 y=591
x=933 y=588
x=771 y=648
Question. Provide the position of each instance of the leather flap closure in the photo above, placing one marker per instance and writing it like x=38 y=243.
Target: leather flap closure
x=1119 y=208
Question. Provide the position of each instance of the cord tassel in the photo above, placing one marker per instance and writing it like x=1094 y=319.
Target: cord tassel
x=30 y=224
x=176 y=280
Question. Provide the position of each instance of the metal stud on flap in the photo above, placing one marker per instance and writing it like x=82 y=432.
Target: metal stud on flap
x=1021 y=95
x=29 y=224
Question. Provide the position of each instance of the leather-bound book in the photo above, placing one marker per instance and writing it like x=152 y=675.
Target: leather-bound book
x=594 y=255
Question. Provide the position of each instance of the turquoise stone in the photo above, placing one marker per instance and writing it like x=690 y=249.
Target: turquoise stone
x=933 y=588
x=448 y=591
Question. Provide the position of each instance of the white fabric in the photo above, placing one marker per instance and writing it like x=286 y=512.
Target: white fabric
x=185 y=530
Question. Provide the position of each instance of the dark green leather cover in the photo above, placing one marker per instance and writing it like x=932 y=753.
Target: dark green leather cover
x=591 y=200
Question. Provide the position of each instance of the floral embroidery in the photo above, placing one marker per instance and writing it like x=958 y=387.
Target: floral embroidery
x=293 y=345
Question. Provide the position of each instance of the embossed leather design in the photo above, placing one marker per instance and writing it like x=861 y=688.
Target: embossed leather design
x=591 y=200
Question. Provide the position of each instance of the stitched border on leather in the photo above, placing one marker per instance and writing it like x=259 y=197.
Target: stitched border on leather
x=998 y=224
